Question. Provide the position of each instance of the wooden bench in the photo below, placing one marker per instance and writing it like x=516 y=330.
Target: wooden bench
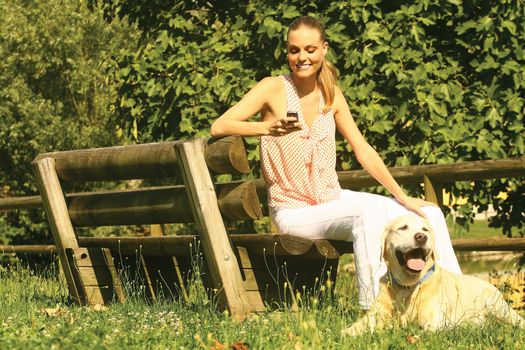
x=256 y=277
x=248 y=272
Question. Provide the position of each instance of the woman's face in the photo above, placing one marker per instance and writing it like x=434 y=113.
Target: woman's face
x=306 y=51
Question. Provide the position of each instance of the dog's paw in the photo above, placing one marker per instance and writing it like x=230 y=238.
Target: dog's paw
x=353 y=330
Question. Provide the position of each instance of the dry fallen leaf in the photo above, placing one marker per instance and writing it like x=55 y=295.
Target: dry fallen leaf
x=51 y=312
x=99 y=307
x=239 y=345
x=413 y=339
x=218 y=346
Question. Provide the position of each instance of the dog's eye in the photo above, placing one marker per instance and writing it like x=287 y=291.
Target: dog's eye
x=424 y=229
x=403 y=228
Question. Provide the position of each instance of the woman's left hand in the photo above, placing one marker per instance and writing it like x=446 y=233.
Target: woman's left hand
x=415 y=204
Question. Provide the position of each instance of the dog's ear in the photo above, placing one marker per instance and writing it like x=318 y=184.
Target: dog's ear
x=386 y=230
x=432 y=241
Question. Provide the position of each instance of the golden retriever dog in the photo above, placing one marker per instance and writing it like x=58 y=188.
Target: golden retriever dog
x=415 y=290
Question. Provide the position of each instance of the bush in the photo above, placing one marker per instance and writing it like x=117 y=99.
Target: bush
x=427 y=82
x=55 y=95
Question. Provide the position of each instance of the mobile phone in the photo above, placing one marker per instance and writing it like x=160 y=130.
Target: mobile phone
x=294 y=115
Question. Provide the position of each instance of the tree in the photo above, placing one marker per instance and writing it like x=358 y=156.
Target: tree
x=54 y=92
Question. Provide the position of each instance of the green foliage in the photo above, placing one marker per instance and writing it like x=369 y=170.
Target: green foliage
x=428 y=82
x=54 y=93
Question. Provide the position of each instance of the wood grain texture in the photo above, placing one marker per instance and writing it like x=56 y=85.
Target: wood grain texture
x=440 y=173
x=231 y=148
x=158 y=205
x=218 y=254
x=28 y=249
x=96 y=275
x=143 y=161
x=58 y=218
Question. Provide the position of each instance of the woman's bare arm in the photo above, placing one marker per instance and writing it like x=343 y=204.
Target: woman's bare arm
x=261 y=98
x=367 y=155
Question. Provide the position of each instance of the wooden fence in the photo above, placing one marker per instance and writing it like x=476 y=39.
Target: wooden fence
x=431 y=176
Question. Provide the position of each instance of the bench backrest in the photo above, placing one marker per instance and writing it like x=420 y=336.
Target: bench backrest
x=190 y=161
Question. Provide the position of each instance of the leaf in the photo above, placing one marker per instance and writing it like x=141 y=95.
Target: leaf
x=217 y=346
x=462 y=28
x=510 y=26
x=412 y=339
x=271 y=27
x=484 y=23
x=493 y=117
x=99 y=307
x=135 y=130
x=436 y=106
x=163 y=40
x=185 y=125
x=239 y=345
x=290 y=11
x=482 y=145
x=416 y=32
x=53 y=312
x=374 y=32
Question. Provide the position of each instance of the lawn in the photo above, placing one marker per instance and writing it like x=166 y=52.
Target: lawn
x=477 y=229
x=35 y=313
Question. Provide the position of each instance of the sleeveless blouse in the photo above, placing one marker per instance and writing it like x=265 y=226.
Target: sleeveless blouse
x=299 y=168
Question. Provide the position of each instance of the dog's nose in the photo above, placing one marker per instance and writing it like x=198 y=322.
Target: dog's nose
x=420 y=237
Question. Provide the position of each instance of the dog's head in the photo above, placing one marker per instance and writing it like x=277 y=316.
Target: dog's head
x=408 y=248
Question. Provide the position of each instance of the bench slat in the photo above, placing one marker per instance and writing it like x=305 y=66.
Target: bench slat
x=144 y=161
x=259 y=244
x=158 y=205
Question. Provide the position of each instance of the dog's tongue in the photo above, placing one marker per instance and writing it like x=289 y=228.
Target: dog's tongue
x=416 y=264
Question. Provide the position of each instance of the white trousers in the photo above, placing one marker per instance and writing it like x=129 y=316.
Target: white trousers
x=361 y=218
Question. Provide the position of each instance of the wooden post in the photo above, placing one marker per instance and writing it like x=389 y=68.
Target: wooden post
x=221 y=261
x=97 y=277
x=58 y=217
x=90 y=276
x=156 y=230
x=433 y=191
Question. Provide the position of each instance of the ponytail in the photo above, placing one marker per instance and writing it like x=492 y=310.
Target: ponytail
x=326 y=78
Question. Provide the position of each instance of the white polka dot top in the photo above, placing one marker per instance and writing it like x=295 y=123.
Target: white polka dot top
x=299 y=168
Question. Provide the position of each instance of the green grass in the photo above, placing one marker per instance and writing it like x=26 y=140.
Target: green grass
x=26 y=324
x=35 y=313
x=477 y=229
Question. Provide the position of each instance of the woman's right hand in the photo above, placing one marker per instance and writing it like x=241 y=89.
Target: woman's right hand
x=260 y=99
x=284 y=126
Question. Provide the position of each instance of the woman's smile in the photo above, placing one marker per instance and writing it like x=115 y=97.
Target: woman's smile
x=303 y=66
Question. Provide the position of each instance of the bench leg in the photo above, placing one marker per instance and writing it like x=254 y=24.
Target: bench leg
x=96 y=276
x=58 y=217
x=218 y=253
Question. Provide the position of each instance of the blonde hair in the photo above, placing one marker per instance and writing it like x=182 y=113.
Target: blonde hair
x=327 y=75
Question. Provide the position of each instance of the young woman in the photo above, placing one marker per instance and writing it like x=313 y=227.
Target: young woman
x=298 y=158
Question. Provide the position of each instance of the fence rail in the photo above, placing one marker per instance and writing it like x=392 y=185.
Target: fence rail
x=84 y=212
x=161 y=246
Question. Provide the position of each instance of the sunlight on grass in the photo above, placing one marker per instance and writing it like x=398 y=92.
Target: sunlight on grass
x=35 y=313
x=477 y=229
